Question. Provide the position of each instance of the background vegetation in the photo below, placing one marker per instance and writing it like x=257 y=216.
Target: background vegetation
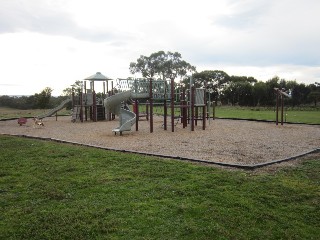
x=225 y=90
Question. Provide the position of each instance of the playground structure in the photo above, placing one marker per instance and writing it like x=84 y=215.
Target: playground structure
x=280 y=94
x=140 y=91
x=54 y=110
x=85 y=102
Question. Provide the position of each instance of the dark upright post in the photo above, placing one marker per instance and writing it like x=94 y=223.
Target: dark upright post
x=192 y=109
x=136 y=106
x=151 y=106
x=277 y=107
x=204 y=111
x=282 y=109
x=172 y=105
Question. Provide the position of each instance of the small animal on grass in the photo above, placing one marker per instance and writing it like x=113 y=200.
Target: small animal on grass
x=37 y=122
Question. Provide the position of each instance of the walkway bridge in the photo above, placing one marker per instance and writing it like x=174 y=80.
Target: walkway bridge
x=140 y=87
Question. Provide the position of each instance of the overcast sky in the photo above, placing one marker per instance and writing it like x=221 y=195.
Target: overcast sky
x=53 y=43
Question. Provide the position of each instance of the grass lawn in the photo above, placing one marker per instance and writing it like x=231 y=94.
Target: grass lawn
x=295 y=116
x=50 y=190
x=6 y=113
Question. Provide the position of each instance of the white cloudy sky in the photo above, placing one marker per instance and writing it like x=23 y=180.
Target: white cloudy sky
x=53 y=43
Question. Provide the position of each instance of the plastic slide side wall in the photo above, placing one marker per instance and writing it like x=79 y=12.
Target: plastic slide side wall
x=126 y=117
x=54 y=110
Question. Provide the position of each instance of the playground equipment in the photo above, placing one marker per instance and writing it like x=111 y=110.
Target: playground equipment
x=279 y=95
x=162 y=91
x=54 y=110
x=113 y=104
x=22 y=121
x=86 y=103
x=139 y=91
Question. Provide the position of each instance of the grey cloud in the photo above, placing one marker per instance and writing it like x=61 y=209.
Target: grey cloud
x=16 y=16
x=245 y=14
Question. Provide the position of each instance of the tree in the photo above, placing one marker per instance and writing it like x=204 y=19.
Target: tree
x=259 y=92
x=43 y=98
x=314 y=95
x=215 y=80
x=300 y=94
x=76 y=87
x=164 y=65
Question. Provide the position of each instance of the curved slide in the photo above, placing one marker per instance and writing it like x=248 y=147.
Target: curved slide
x=54 y=110
x=126 y=117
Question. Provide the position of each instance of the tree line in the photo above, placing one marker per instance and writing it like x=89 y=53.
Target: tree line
x=248 y=91
x=42 y=100
x=229 y=90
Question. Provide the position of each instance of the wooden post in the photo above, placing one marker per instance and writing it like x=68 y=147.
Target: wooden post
x=104 y=89
x=94 y=110
x=204 y=111
x=151 y=106
x=277 y=107
x=192 y=108
x=85 y=106
x=165 y=114
x=184 y=109
x=136 y=105
x=81 y=106
x=282 y=109
x=172 y=105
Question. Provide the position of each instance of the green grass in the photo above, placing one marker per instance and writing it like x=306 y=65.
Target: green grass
x=295 y=116
x=6 y=113
x=50 y=190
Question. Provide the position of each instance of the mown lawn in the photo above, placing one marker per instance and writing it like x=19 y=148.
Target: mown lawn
x=50 y=190
x=294 y=116
x=7 y=113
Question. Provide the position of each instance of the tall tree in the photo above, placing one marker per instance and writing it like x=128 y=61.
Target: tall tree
x=43 y=98
x=76 y=87
x=214 y=80
x=160 y=64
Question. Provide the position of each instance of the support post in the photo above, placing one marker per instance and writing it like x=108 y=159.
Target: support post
x=204 y=113
x=81 y=107
x=172 y=105
x=281 y=109
x=165 y=114
x=151 y=106
x=136 y=105
x=94 y=110
x=192 y=108
x=277 y=107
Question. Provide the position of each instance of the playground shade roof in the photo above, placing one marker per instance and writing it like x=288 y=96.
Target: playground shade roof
x=97 y=77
